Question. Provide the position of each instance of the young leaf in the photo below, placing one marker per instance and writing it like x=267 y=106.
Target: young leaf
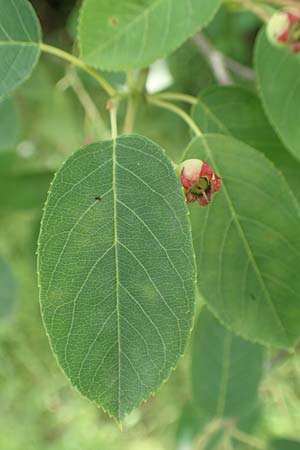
x=9 y=124
x=116 y=270
x=278 y=74
x=226 y=370
x=247 y=244
x=20 y=37
x=8 y=290
x=237 y=112
x=123 y=35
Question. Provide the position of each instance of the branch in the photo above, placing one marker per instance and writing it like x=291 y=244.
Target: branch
x=211 y=429
x=220 y=63
x=215 y=59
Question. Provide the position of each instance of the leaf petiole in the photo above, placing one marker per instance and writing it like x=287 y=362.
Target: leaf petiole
x=136 y=88
x=175 y=109
x=79 y=63
x=112 y=106
x=177 y=96
x=293 y=3
x=256 y=9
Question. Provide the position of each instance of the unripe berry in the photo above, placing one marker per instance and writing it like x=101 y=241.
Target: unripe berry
x=283 y=28
x=199 y=181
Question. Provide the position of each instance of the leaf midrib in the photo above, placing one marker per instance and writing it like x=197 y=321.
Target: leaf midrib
x=20 y=43
x=116 y=240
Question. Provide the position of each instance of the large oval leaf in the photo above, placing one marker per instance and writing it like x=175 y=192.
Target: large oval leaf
x=247 y=244
x=20 y=37
x=234 y=111
x=117 y=271
x=226 y=370
x=120 y=35
x=278 y=74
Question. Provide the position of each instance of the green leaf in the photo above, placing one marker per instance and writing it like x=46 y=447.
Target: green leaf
x=235 y=111
x=247 y=244
x=9 y=124
x=116 y=270
x=20 y=37
x=8 y=289
x=226 y=370
x=278 y=74
x=230 y=31
x=196 y=77
x=120 y=35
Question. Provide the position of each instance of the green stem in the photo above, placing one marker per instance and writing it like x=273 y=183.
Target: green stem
x=136 y=90
x=142 y=80
x=256 y=9
x=131 y=104
x=130 y=114
x=292 y=3
x=113 y=120
x=178 y=111
x=79 y=63
x=177 y=96
x=130 y=79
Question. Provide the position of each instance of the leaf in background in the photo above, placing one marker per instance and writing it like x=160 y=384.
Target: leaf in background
x=9 y=124
x=189 y=69
x=247 y=244
x=20 y=36
x=235 y=111
x=231 y=32
x=116 y=270
x=8 y=290
x=21 y=191
x=133 y=34
x=53 y=120
x=226 y=370
x=278 y=75
x=285 y=444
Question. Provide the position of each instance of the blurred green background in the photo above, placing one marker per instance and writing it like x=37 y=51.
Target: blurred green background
x=52 y=115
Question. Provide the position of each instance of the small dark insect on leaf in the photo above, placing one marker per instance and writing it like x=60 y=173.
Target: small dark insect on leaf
x=98 y=198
